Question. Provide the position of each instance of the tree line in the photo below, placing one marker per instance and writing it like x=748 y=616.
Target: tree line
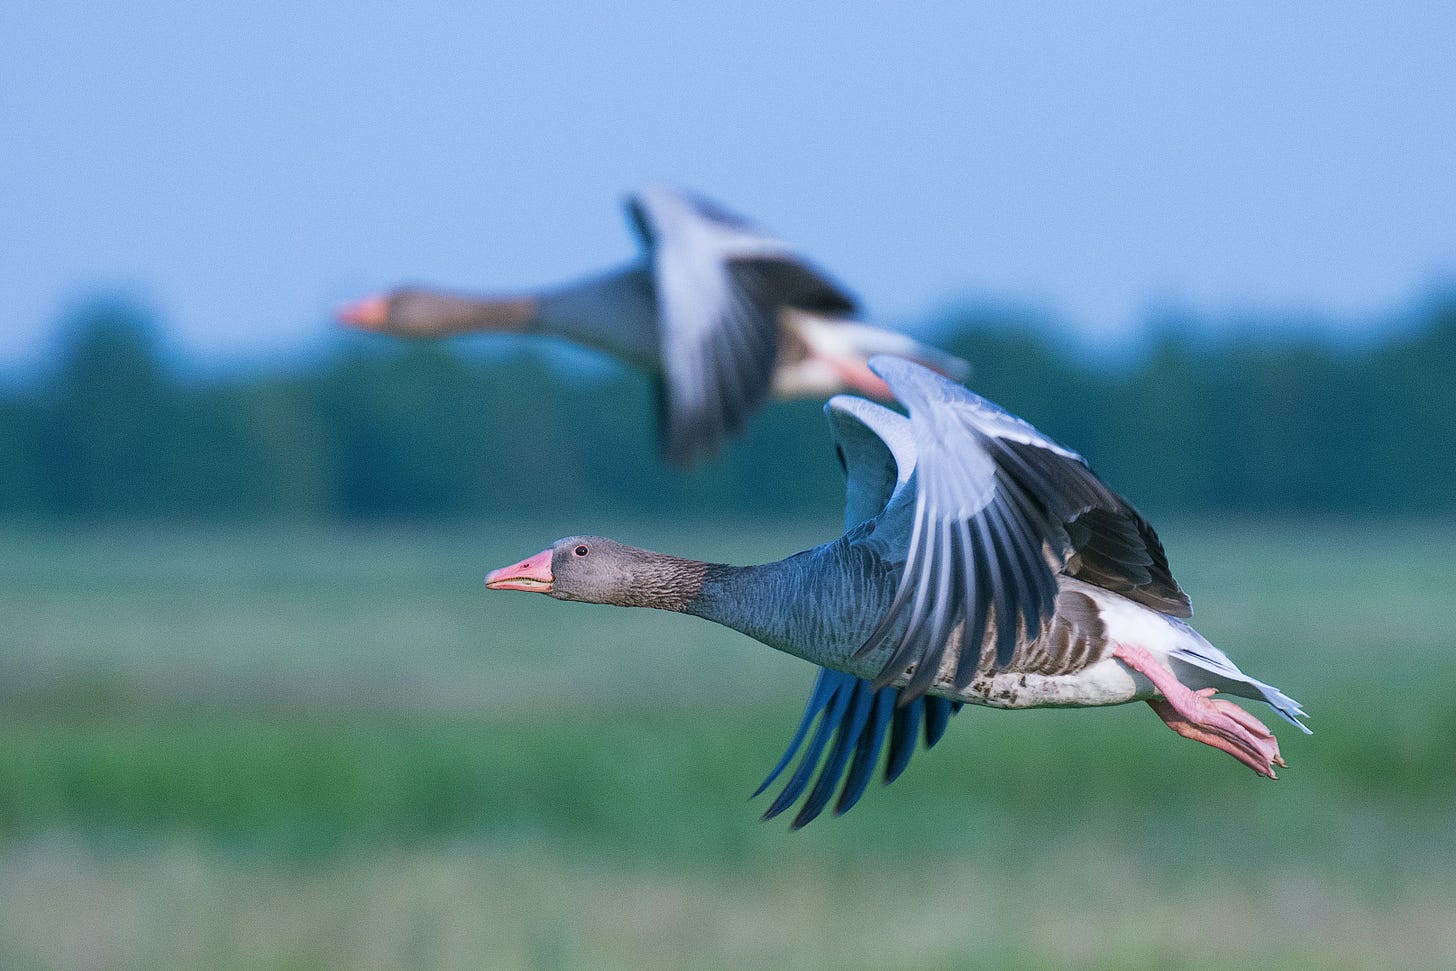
x=376 y=429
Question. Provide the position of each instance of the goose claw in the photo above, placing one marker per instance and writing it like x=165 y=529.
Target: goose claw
x=1203 y=718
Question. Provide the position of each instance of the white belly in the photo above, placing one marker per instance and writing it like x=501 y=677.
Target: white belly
x=1107 y=682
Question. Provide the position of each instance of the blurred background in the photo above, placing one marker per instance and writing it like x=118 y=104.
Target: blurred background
x=256 y=710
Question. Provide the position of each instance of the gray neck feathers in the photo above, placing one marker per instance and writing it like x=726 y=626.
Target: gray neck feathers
x=615 y=313
x=663 y=582
x=427 y=313
x=819 y=605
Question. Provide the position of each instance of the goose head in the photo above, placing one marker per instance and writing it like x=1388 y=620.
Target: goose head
x=594 y=569
x=418 y=312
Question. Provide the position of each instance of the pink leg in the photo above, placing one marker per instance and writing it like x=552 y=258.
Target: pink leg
x=1203 y=718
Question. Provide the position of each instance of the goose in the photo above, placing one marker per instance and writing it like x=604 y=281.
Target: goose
x=981 y=563
x=720 y=312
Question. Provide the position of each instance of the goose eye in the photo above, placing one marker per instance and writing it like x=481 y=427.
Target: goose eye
x=581 y=551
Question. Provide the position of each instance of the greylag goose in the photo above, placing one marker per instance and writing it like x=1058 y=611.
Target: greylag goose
x=720 y=312
x=982 y=563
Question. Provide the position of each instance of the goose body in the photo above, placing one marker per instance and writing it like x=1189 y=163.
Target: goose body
x=722 y=313
x=981 y=563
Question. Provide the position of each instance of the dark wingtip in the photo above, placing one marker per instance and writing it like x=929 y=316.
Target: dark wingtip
x=937 y=719
x=863 y=723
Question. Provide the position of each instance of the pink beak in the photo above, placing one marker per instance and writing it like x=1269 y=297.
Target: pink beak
x=371 y=313
x=533 y=574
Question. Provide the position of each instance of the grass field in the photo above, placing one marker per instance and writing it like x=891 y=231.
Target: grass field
x=308 y=749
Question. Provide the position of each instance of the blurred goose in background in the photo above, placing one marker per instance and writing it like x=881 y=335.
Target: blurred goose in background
x=982 y=563
x=721 y=312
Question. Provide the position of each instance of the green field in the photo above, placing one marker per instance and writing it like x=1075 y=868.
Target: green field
x=299 y=748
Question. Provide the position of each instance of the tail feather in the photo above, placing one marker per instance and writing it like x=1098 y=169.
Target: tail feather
x=876 y=340
x=1215 y=670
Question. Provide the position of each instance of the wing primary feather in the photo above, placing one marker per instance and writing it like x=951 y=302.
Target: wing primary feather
x=910 y=641
x=795 y=786
x=938 y=633
x=1027 y=566
x=910 y=647
x=1023 y=469
x=824 y=687
x=1000 y=595
x=1028 y=609
x=1021 y=546
x=845 y=739
x=937 y=717
x=1034 y=529
x=880 y=634
x=950 y=593
x=903 y=733
x=868 y=751
x=973 y=629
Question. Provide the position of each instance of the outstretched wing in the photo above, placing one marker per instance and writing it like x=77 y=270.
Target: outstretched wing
x=861 y=721
x=998 y=508
x=855 y=720
x=1115 y=548
x=720 y=283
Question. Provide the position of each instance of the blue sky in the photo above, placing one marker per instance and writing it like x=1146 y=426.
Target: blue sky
x=239 y=169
